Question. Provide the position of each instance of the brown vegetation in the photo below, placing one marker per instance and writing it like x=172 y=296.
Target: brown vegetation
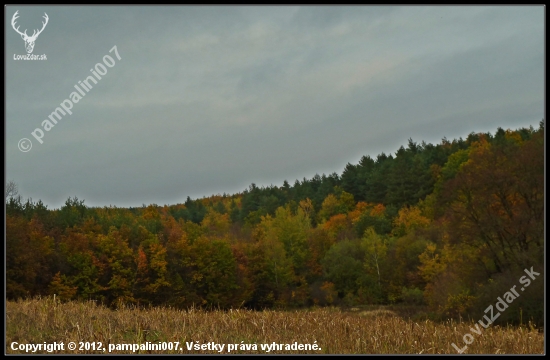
x=357 y=331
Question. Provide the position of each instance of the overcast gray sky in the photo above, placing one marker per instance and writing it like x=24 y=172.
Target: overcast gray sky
x=207 y=100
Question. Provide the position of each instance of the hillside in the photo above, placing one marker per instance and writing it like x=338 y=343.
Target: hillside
x=451 y=226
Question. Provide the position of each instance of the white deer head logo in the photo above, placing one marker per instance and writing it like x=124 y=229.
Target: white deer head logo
x=29 y=40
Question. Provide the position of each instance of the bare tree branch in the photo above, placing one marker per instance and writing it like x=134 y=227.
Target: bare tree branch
x=11 y=189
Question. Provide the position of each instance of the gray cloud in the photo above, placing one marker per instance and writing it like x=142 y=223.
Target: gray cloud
x=210 y=99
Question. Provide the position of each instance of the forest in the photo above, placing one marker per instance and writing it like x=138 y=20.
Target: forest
x=450 y=227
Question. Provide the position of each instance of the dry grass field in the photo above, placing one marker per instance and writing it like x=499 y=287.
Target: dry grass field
x=334 y=331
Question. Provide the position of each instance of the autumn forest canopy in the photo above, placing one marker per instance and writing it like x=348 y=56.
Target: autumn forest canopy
x=450 y=227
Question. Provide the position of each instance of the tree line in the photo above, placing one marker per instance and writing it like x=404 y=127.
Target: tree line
x=450 y=226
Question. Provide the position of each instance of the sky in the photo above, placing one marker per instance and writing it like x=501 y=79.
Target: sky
x=203 y=100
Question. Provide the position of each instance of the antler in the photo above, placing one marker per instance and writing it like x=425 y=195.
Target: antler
x=13 y=24
x=43 y=26
x=34 y=34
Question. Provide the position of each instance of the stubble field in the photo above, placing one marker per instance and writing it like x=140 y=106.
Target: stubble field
x=328 y=330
